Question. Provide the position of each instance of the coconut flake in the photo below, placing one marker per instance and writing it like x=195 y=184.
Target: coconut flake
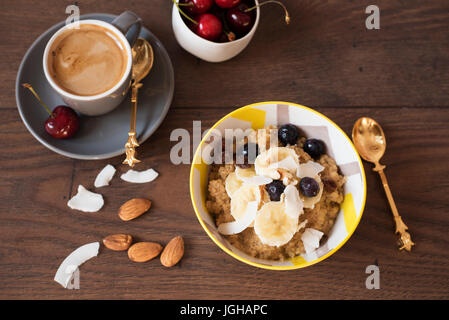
x=309 y=169
x=249 y=177
x=244 y=222
x=287 y=163
x=311 y=239
x=139 y=176
x=267 y=163
x=302 y=225
x=104 y=176
x=257 y=181
x=73 y=261
x=293 y=203
x=86 y=200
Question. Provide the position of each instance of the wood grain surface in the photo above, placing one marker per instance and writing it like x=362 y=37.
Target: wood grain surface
x=325 y=59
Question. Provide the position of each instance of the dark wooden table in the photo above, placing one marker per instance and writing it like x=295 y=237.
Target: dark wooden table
x=325 y=59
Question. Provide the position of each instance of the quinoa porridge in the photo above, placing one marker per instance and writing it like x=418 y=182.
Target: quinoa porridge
x=280 y=204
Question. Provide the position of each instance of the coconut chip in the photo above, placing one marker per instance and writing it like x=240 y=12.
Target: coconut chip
x=249 y=177
x=258 y=181
x=73 y=261
x=302 y=225
x=268 y=162
x=104 y=176
x=293 y=203
x=287 y=163
x=86 y=200
x=311 y=239
x=139 y=176
x=309 y=169
x=244 y=222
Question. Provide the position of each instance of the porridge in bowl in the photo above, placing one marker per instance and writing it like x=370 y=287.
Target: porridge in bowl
x=282 y=199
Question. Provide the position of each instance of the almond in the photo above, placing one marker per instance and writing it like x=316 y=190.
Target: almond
x=118 y=242
x=144 y=251
x=133 y=208
x=173 y=252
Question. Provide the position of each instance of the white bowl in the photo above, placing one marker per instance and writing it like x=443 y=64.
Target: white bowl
x=314 y=125
x=208 y=50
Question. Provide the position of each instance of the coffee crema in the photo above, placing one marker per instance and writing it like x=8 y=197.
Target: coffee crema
x=87 y=61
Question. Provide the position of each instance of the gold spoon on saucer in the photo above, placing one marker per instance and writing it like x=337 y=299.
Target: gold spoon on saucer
x=369 y=140
x=142 y=63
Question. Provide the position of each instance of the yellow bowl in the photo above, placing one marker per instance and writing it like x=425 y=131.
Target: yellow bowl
x=314 y=125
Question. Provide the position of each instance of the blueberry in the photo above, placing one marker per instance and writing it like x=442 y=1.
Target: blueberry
x=309 y=187
x=246 y=151
x=288 y=134
x=314 y=147
x=275 y=189
x=248 y=155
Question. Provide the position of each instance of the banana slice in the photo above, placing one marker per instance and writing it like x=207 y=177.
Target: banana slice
x=240 y=199
x=244 y=222
x=293 y=204
x=273 y=226
x=232 y=184
x=245 y=173
x=311 y=169
x=249 y=176
x=267 y=163
x=311 y=239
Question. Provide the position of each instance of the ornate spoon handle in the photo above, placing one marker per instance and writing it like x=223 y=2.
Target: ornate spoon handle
x=405 y=240
x=130 y=145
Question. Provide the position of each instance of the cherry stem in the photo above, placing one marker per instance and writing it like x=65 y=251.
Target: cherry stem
x=190 y=4
x=28 y=86
x=287 y=16
x=182 y=12
x=229 y=34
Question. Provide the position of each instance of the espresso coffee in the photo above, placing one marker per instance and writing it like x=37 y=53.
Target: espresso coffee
x=87 y=61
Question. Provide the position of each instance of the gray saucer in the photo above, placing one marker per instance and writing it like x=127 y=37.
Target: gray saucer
x=99 y=137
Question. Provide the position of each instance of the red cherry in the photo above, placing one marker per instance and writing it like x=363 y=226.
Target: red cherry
x=194 y=7
x=238 y=20
x=63 y=123
x=209 y=26
x=227 y=3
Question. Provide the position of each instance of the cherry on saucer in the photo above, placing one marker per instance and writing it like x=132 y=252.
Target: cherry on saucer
x=63 y=121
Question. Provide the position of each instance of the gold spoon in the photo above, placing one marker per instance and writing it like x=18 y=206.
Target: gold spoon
x=142 y=63
x=369 y=140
